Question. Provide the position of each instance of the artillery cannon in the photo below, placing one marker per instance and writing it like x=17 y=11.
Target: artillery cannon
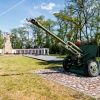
x=81 y=59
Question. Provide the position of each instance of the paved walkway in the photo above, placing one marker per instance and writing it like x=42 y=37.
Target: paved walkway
x=46 y=58
x=88 y=85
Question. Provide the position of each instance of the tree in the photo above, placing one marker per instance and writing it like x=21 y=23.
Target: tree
x=14 y=39
x=65 y=26
x=20 y=38
x=84 y=11
x=1 y=40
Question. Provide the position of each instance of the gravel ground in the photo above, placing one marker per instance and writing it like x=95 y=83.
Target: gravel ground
x=88 y=85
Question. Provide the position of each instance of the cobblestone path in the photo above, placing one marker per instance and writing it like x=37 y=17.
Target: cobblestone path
x=87 y=85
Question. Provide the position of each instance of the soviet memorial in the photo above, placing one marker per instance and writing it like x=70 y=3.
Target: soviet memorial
x=7 y=46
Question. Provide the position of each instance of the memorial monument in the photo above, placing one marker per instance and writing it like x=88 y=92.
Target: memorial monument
x=8 y=49
x=7 y=46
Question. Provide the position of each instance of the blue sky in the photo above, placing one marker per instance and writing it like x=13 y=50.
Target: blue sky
x=14 y=12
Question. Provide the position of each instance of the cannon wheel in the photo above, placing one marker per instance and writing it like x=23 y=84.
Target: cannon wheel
x=93 y=68
x=66 y=61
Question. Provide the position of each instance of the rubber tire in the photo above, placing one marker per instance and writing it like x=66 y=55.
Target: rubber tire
x=65 y=63
x=89 y=62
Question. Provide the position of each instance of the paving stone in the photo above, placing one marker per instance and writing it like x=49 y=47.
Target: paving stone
x=87 y=85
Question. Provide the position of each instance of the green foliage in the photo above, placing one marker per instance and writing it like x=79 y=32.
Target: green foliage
x=79 y=19
x=1 y=40
x=20 y=38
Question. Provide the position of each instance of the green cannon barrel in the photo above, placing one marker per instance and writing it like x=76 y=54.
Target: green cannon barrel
x=71 y=47
x=33 y=21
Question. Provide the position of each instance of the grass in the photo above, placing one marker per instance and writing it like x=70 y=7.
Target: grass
x=98 y=58
x=17 y=83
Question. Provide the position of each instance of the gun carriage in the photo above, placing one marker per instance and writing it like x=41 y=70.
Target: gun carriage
x=81 y=59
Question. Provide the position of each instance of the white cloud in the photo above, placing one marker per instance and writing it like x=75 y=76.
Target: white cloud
x=45 y=6
x=49 y=6
x=23 y=20
x=21 y=25
x=55 y=12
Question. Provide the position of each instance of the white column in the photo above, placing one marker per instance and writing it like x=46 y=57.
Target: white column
x=48 y=51
x=35 y=51
x=20 y=51
x=44 y=51
x=38 y=51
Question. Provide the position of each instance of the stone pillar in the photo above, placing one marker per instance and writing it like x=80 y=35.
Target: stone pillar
x=38 y=51
x=7 y=47
x=44 y=51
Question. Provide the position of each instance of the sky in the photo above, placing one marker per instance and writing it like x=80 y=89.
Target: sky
x=13 y=13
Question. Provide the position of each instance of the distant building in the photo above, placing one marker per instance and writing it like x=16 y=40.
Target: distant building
x=9 y=50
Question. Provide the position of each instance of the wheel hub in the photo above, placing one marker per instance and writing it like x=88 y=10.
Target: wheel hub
x=93 y=67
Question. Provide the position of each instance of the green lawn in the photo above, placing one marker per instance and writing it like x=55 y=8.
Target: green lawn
x=98 y=58
x=17 y=83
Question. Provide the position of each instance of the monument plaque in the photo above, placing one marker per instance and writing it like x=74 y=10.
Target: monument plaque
x=7 y=47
